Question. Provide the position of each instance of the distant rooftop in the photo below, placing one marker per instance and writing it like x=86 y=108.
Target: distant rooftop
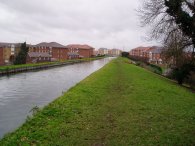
x=3 y=44
x=151 y=49
x=156 y=49
x=79 y=46
x=50 y=44
x=103 y=49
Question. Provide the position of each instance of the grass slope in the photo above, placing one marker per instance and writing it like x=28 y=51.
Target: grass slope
x=121 y=104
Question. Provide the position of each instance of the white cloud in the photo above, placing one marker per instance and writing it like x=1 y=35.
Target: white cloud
x=100 y=23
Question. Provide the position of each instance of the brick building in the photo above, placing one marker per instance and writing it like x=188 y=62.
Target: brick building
x=84 y=51
x=73 y=55
x=9 y=51
x=139 y=51
x=150 y=54
x=37 y=57
x=57 y=51
x=44 y=52
x=1 y=56
x=155 y=55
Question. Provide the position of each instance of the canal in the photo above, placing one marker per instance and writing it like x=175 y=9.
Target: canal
x=19 y=93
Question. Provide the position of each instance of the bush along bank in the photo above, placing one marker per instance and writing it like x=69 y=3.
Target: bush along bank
x=152 y=67
x=169 y=73
x=121 y=104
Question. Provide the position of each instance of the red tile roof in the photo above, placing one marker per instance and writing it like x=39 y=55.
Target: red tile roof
x=79 y=46
x=141 y=48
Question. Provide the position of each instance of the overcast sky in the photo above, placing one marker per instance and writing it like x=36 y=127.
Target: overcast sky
x=99 y=23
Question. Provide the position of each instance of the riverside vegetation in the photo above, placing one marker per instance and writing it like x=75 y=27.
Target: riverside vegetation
x=10 y=67
x=121 y=104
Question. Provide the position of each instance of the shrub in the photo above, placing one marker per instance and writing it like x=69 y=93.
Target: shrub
x=182 y=73
x=192 y=80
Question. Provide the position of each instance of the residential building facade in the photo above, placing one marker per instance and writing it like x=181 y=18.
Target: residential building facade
x=103 y=51
x=139 y=51
x=150 y=54
x=45 y=52
x=37 y=57
x=114 y=52
x=51 y=51
x=80 y=51
x=1 y=56
x=8 y=52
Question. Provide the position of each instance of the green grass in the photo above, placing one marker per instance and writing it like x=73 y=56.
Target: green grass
x=9 y=67
x=120 y=105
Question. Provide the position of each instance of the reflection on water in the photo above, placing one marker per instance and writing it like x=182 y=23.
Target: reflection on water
x=21 y=92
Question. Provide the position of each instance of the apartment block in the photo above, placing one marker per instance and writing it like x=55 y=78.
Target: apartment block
x=81 y=51
x=151 y=54
x=51 y=51
x=8 y=52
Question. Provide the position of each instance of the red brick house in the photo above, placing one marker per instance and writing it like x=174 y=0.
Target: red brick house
x=149 y=54
x=57 y=51
x=1 y=56
x=154 y=55
x=84 y=51
x=73 y=55
x=37 y=57
x=139 y=51
x=10 y=51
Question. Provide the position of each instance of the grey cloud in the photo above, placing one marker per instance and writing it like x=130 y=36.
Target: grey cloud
x=101 y=23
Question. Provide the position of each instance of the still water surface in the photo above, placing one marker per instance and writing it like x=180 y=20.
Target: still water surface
x=19 y=93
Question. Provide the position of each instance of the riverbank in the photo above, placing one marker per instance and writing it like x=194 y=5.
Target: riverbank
x=11 y=69
x=121 y=104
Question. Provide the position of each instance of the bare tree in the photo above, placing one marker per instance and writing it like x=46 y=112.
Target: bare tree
x=155 y=13
x=166 y=19
x=176 y=49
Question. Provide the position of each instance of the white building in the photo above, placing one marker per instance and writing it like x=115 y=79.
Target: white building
x=103 y=51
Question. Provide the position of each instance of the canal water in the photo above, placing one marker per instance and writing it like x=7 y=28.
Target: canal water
x=19 y=93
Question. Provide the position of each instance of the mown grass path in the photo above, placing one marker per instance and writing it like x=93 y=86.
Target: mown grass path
x=120 y=105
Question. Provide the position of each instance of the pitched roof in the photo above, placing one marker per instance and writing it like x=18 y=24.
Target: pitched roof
x=103 y=49
x=3 y=44
x=115 y=49
x=156 y=49
x=50 y=44
x=39 y=54
x=141 y=49
x=79 y=46
x=153 y=49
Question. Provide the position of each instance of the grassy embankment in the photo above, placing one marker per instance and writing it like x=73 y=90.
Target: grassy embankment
x=10 y=67
x=121 y=104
